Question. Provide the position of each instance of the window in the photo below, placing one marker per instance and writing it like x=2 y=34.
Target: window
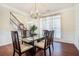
x=51 y=23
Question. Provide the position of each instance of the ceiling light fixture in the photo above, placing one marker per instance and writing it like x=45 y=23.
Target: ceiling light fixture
x=35 y=14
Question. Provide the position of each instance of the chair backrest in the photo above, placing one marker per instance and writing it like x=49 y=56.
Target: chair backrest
x=52 y=35
x=15 y=40
x=45 y=32
x=48 y=38
x=24 y=33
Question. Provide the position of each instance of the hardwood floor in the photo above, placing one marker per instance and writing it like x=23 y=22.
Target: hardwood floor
x=60 y=49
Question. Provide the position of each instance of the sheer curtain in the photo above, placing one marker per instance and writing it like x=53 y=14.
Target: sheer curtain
x=51 y=23
x=57 y=26
x=46 y=24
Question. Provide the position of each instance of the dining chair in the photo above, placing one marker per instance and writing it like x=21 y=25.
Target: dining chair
x=23 y=33
x=17 y=46
x=45 y=32
x=44 y=45
x=52 y=32
x=52 y=39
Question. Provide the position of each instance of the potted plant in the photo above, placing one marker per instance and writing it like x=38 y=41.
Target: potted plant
x=32 y=29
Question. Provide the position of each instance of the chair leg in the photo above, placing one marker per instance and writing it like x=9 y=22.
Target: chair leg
x=50 y=51
x=44 y=52
x=22 y=42
x=19 y=54
x=32 y=51
x=13 y=52
x=52 y=46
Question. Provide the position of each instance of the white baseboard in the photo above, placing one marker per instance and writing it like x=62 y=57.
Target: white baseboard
x=5 y=43
x=62 y=40
x=5 y=37
x=76 y=46
x=66 y=37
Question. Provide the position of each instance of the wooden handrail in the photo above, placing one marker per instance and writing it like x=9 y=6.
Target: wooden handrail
x=14 y=17
x=14 y=22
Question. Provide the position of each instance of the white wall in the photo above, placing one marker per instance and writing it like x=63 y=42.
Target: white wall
x=4 y=26
x=76 y=41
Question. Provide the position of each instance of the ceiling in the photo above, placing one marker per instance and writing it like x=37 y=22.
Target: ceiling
x=42 y=7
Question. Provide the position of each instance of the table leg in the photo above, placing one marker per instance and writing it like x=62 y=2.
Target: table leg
x=33 y=51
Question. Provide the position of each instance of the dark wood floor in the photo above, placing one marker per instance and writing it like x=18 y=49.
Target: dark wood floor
x=60 y=49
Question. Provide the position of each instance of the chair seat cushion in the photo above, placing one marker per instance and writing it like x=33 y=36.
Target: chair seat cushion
x=25 y=47
x=40 y=44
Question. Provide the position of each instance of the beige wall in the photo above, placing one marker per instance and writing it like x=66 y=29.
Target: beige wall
x=67 y=25
x=4 y=18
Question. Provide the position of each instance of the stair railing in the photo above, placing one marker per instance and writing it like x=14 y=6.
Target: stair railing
x=15 y=20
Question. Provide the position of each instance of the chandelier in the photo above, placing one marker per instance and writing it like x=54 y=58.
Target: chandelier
x=35 y=14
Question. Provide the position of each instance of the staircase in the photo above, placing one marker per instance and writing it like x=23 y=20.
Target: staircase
x=16 y=25
x=15 y=21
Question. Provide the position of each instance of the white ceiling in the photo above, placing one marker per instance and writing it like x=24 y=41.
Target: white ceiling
x=42 y=7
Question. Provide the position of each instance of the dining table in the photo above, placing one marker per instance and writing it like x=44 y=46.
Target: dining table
x=32 y=40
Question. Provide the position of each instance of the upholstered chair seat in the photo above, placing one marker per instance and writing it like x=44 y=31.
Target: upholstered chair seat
x=40 y=44
x=25 y=47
